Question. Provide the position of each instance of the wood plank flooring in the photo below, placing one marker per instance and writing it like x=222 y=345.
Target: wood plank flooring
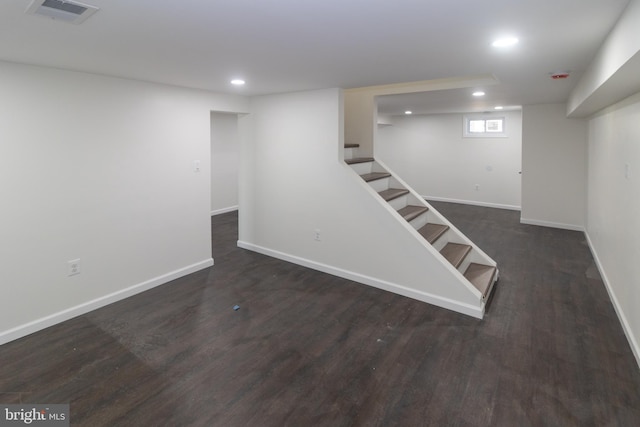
x=309 y=349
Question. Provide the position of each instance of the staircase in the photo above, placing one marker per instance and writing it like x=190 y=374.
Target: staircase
x=472 y=266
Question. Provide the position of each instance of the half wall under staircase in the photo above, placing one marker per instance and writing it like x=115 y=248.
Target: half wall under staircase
x=470 y=268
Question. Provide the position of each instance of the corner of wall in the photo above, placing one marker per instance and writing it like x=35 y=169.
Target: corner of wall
x=102 y=301
x=626 y=326
x=612 y=75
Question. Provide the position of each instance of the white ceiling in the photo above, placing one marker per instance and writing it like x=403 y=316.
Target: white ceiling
x=292 y=45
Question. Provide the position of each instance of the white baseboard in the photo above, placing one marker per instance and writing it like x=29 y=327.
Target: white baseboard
x=628 y=332
x=472 y=202
x=571 y=227
x=224 y=210
x=61 y=316
x=463 y=308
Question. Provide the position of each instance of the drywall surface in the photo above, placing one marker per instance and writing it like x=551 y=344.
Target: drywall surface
x=299 y=202
x=360 y=118
x=102 y=170
x=613 y=223
x=554 y=171
x=431 y=154
x=601 y=82
x=361 y=105
x=224 y=162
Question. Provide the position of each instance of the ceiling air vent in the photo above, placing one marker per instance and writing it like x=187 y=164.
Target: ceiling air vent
x=62 y=10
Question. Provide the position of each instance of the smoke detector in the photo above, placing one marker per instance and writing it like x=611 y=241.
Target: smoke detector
x=559 y=76
x=62 y=10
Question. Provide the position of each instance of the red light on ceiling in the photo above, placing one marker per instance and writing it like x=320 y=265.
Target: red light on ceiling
x=559 y=76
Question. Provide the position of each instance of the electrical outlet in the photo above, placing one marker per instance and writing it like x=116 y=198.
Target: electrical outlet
x=73 y=267
x=317 y=235
x=477 y=187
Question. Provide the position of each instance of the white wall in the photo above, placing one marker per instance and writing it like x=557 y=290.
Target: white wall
x=224 y=162
x=614 y=70
x=554 y=171
x=360 y=120
x=99 y=169
x=613 y=223
x=611 y=86
x=361 y=111
x=293 y=183
x=430 y=153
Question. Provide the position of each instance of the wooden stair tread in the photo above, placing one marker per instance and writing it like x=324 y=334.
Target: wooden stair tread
x=351 y=145
x=480 y=276
x=432 y=232
x=374 y=176
x=358 y=160
x=393 y=193
x=411 y=212
x=455 y=253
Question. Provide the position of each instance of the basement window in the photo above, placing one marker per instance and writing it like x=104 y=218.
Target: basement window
x=484 y=126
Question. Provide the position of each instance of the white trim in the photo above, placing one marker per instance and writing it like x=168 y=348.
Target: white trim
x=472 y=202
x=224 y=210
x=69 y=313
x=459 y=307
x=571 y=227
x=628 y=332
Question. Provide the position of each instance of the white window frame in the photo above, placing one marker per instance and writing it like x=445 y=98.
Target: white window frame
x=468 y=118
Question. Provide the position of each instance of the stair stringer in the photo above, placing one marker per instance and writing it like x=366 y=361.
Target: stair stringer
x=404 y=266
x=451 y=282
x=457 y=278
x=453 y=235
x=477 y=254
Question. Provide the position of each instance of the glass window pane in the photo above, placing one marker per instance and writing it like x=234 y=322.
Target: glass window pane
x=476 y=126
x=494 y=125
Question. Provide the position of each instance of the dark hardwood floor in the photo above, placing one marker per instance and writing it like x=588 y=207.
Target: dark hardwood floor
x=309 y=349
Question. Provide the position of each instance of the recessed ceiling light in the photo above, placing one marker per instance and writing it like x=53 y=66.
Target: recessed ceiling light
x=237 y=82
x=498 y=107
x=505 y=42
x=478 y=93
x=408 y=112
